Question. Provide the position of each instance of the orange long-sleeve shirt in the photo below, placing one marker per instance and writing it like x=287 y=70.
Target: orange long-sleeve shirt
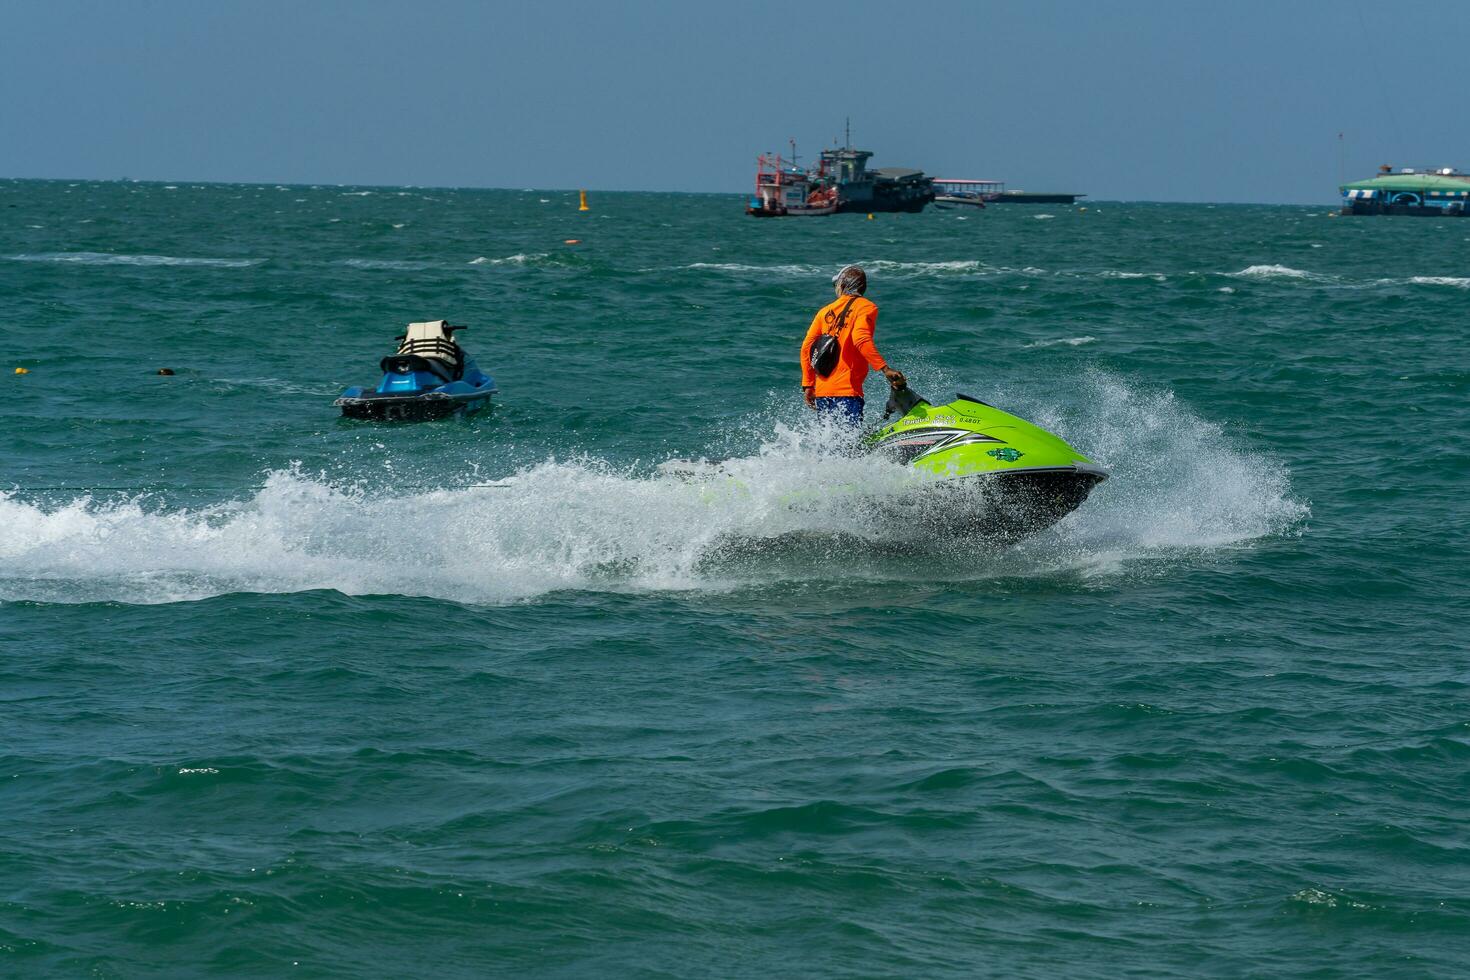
x=858 y=350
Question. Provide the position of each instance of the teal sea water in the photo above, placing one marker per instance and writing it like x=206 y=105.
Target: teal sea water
x=281 y=692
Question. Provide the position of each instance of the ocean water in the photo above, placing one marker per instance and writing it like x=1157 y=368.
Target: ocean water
x=282 y=692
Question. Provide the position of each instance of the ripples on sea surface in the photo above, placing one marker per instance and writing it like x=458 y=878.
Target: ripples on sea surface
x=285 y=692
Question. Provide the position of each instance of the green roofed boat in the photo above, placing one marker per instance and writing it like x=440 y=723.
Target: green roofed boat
x=1426 y=193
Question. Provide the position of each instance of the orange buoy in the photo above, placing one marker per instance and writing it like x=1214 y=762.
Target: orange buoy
x=572 y=241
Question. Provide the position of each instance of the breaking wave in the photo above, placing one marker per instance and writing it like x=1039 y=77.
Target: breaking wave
x=517 y=259
x=780 y=270
x=1274 y=272
x=791 y=511
x=1068 y=341
x=108 y=258
x=1459 y=282
x=930 y=268
x=882 y=267
x=956 y=268
x=1116 y=274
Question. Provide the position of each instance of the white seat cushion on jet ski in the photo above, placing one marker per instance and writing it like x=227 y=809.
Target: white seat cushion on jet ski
x=429 y=330
x=431 y=339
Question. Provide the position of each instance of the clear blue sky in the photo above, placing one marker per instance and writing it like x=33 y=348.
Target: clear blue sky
x=1140 y=100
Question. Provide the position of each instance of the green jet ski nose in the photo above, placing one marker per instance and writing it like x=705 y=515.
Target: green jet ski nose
x=991 y=472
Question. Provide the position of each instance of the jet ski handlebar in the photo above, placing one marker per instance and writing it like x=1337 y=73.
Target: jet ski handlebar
x=902 y=399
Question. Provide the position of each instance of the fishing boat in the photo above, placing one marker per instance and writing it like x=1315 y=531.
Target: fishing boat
x=840 y=182
x=782 y=189
x=1034 y=197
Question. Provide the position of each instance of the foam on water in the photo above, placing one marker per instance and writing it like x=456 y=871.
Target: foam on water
x=1068 y=341
x=883 y=267
x=108 y=258
x=1460 y=282
x=793 y=510
x=927 y=268
x=519 y=258
x=1274 y=272
x=783 y=270
x=1117 y=274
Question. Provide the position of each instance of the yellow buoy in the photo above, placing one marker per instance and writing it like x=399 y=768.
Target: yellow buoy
x=583 y=206
x=870 y=217
x=22 y=370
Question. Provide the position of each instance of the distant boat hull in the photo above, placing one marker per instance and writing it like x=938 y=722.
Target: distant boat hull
x=885 y=196
x=840 y=184
x=757 y=212
x=881 y=206
x=1455 y=210
x=1024 y=197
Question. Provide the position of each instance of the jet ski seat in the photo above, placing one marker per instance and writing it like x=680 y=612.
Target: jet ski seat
x=431 y=346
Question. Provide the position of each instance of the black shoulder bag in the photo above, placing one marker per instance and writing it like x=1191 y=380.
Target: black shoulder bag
x=828 y=347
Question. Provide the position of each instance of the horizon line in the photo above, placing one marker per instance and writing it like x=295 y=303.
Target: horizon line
x=552 y=190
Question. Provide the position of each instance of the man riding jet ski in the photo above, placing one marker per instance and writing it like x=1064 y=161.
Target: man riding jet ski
x=429 y=377
x=1026 y=479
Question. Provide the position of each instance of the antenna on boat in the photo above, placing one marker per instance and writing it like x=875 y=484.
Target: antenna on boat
x=793 y=151
x=847 y=132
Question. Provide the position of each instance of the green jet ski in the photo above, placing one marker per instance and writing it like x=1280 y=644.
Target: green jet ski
x=1023 y=479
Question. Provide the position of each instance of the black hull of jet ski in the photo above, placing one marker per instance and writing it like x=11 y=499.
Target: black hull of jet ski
x=1002 y=506
x=375 y=407
x=987 y=472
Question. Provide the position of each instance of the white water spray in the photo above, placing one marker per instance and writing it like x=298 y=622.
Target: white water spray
x=1179 y=485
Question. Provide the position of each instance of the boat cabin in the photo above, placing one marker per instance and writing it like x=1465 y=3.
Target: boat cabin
x=983 y=190
x=779 y=185
x=1435 y=192
x=782 y=188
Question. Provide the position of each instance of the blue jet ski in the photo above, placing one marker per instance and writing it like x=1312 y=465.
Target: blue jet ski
x=429 y=377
